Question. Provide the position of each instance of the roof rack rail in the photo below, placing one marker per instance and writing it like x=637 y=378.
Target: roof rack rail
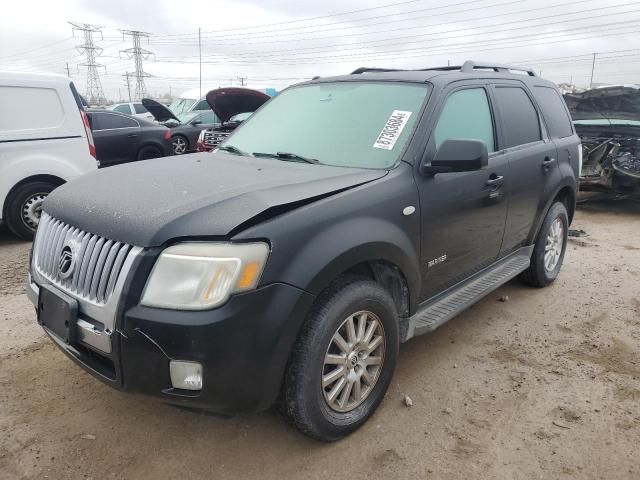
x=467 y=67
x=360 y=70
x=470 y=66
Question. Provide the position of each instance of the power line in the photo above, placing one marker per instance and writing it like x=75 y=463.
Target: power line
x=36 y=49
x=306 y=19
x=461 y=47
x=244 y=36
x=401 y=40
x=95 y=94
x=137 y=53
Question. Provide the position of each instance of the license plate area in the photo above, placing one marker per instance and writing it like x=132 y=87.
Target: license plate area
x=58 y=313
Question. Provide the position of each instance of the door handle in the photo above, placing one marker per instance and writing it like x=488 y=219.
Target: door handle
x=548 y=162
x=495 y=181
x=132 y=135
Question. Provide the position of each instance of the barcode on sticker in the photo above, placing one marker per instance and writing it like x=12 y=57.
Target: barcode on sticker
x=392 y=130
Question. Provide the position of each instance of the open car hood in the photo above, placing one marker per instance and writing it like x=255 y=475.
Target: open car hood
x=159 y=111
x=607 y=103
x=227 y=102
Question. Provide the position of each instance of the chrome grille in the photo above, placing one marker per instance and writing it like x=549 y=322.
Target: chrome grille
x=213 y=138
x=97 y=261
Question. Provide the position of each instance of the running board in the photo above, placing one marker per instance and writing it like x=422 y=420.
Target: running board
x=453 y=301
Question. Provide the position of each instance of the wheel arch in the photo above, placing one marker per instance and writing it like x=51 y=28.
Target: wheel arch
x=565 y=193
x=57 y=181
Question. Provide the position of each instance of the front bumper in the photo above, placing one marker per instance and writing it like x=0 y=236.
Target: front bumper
x=243 y=347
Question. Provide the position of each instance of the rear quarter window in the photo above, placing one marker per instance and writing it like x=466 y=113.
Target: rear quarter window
x=30 y=108
x=554 y=112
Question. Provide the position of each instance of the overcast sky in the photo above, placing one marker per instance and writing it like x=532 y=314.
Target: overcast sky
x=277 y=42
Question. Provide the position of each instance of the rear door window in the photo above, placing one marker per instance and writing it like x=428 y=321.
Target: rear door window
x=554 y=112
x=106 y=121
x=519 y=118
x=466 y=114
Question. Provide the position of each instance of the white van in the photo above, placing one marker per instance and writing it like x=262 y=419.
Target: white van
x=45 y=140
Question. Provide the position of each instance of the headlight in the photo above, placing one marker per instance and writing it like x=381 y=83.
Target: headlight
x=197 y=276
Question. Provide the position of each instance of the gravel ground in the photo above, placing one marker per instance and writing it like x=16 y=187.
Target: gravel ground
x=543 y=385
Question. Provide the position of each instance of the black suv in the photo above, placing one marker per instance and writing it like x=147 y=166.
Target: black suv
x=346 y=216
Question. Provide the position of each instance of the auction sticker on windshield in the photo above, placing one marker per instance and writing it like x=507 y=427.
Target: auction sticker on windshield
x=392 y=130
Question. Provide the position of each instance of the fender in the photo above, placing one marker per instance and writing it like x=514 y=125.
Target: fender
x=332 y=252
x=362 y=224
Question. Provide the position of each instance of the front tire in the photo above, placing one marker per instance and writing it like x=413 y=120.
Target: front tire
x=24 y=208
x=343 y=360
x=180 y=145
x=550 y=247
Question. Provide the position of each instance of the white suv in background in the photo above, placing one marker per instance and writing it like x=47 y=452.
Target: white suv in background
x=136 y=109
x=45 y=140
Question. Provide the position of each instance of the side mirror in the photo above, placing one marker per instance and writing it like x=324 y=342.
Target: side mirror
x=458 y=155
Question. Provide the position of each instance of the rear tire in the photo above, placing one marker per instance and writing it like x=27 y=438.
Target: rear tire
x=148 y=152
x=24 y=208
x=363 y=364
x=550 y=247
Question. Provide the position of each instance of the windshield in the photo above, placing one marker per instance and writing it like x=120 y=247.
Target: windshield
x=348 y=124
x=181 y=105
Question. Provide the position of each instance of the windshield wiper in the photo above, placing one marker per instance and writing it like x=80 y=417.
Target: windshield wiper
x=288 y=156
x=235 y=150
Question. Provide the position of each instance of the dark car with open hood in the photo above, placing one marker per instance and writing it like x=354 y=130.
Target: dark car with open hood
x=345 y=217
x=185 y=127
x=607 y=120
x=232 y=106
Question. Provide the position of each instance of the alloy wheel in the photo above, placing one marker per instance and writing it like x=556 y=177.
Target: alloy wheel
x=554 y=245
x=179 y=145
x=353 y=361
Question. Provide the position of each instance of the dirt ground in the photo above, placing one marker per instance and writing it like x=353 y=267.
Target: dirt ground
x=544 y=385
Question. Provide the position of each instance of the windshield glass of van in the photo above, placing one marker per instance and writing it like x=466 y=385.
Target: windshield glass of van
x=348 y=124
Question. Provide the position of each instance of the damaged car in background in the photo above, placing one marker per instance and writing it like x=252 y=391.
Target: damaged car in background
x=185 y=127
x=607 y=120
x=232 y=105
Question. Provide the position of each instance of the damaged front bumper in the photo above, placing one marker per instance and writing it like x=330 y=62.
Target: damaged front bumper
x=243 y=348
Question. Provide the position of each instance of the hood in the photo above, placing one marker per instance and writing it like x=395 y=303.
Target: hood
x=227 y=102
x=159 y=111
x=616 y=103
x=201 y=195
